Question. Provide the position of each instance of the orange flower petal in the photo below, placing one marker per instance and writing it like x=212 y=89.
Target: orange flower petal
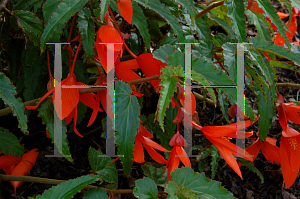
x=183 y=156
x=154 y=155
x=125 y=8
x=75 y=121
x=270 y=150
x=254 y=148
x=151 y=143
x=124 y=72
x=138 y=152
x=289 y=154
x=8 y=160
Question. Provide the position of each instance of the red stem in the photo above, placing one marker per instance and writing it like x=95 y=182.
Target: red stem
x=221 y=64
x=69 y=39
x=75 y=57
x=116 y=24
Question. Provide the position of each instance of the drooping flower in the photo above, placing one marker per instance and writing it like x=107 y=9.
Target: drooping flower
x=289 y=155
x=177 y=153
x=142 y=141
x=219 y=136
x=268 y=148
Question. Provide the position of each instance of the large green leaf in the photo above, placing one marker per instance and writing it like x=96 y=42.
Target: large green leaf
x=27 y=5
x=95 y=193
x=262 y=28
x=189 y=5
x=195 y=185
x=155 y=171
x=103 y=7
x=69 y=188
x=163 y=53
x=32 y=76
x=138 y=19
x=203 y=30
x=145 y=188
x=295 y=3
x=108 y=173
x=168 y=87
x=156 y=6
x=30 y=24
x=257 y=58
x=224 y=25
x=127 y=112
x=9 y=143
x=270 y=47
x=230 y=56
x=86 y=29
x=272 y=14
x=283 y=65
x=7 y=92
x=236 y=13
x=266 y=112
x=61 y=15
x=46 y=113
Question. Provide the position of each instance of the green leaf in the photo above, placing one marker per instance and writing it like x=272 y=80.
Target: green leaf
x=86 y=29
x=127 y=112
x=257 y=58
x=236 y=13
x=31 y=54
x=155 y=171
x=7 y=92
x=262 y=28
x=108 y=173
x=224 y=25
x=266 y=112
x=156 y=6
x=170 y=116
x=9 y=143
x=188 y=182
x=32 y=76
x=49 y=7
x=203 y=30
x=270 y=47
x=230 y=56
x=69 y=188
x=189 y=5
x=295 y=3
x=61 y=15
x=214 y=161
x=283 y=65
x=168 y=86
x=103 y=7
x=176 y=59
x=27 y=5
x=272 y=14
x=145 y=188
x=138 y=19
x=251 y=166
x=205 y=48
x=30 y=24
x=223 y=105
x=95 y=193
x=163 y=53
x=61 y=142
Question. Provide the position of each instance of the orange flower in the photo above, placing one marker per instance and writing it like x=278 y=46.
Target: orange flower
x=177 y=153
x=268 y=148
x=140 y=141
x=289 y=155
x=219 y=135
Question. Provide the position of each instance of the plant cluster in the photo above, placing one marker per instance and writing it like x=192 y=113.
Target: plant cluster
x=148 y=50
